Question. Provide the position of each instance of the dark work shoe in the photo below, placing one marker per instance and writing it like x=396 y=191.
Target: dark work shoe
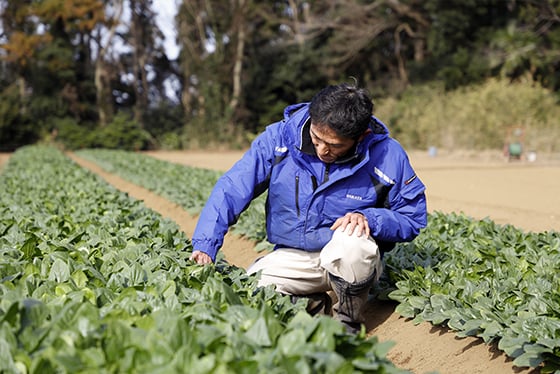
x=318 y=303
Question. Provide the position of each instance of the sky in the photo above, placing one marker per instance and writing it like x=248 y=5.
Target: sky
x=165 y=19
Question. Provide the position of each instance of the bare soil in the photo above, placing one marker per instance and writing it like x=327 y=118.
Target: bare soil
x=520 y=193
x=3 y=159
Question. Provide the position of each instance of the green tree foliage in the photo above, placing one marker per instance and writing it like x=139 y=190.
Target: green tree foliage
x=46 y=48
x=209 y=34
x=16 y=128
x=242 y=61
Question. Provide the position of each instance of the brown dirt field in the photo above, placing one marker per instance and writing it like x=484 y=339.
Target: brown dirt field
x=519 y=193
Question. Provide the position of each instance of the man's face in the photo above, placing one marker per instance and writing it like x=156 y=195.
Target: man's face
x=328 y=145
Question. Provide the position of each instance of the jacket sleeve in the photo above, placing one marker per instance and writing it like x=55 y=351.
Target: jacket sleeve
x=406 y=213
x=233 y=193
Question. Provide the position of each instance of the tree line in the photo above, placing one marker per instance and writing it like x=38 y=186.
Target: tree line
x=94 y=73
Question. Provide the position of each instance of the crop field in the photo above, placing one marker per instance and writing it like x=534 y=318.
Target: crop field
x=92 y=280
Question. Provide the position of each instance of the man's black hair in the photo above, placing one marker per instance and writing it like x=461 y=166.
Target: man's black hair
x=345 y=108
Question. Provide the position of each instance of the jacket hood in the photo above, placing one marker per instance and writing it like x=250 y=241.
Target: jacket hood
x=298 y=115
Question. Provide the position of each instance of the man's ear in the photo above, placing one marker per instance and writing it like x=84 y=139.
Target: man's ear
x=368 y=131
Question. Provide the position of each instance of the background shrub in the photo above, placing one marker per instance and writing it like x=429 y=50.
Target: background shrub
x=477 y=117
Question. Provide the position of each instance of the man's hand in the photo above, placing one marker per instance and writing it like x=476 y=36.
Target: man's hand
x=353 y=220
x=201 y=258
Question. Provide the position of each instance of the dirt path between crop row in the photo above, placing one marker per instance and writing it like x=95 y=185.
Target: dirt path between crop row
x=4 y=157
x=420 y=348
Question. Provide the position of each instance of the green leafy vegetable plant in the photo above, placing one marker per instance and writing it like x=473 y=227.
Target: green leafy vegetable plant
x=92 y=281
x=486 y=280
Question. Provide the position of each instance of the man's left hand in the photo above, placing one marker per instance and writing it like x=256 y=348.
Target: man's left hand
x=354 y=220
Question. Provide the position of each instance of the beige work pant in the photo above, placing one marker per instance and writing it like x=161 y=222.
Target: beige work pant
x=298 y=272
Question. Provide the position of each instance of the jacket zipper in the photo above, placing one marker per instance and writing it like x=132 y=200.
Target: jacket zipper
x=326 y=178
x=297 y=195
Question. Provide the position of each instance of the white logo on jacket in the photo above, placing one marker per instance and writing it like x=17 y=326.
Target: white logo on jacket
x=353 y=197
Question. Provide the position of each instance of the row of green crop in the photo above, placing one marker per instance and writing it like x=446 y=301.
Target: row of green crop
x=186 y=186
x=92 y=281
x=482 y=279
x=478 y=278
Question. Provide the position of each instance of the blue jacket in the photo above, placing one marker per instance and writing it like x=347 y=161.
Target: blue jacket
x=306 y=196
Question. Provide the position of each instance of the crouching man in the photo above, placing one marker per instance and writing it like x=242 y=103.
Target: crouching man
x=341 y=192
